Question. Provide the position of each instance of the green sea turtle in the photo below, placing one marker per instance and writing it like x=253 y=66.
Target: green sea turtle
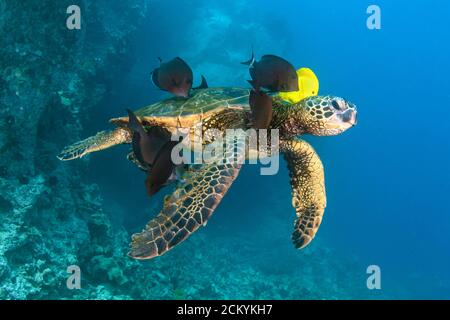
x=200 y=190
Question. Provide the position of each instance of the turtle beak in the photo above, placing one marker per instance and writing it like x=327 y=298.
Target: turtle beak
x=356 y=119
x=350 y=116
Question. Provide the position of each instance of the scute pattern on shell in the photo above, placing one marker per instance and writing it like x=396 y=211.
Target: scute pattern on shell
x=201 y=101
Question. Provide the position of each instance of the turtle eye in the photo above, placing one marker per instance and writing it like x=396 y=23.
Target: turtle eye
x=335 y=105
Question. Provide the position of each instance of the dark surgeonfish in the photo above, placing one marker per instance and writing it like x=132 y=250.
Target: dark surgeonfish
x=272 y=73
x=153 y=149
x=261 y=108
x=174 y=76
x=146 y=144
x=162 y=169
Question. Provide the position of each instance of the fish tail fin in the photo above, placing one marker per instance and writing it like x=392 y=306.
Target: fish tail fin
x=251 y=61
x=155 y=74
x=203 y=84
x=133 y=122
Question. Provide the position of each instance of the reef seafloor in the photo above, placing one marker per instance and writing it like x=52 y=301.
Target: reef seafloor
x=53 y=214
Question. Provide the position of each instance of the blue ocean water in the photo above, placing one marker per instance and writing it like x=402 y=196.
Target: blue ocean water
x=387 y=179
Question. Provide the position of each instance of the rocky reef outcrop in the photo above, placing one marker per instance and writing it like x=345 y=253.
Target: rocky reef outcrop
x=47 y=213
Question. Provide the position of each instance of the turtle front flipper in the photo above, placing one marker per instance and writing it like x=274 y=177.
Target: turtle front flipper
x=308 y=189
x=190 y=206
x=100 y=141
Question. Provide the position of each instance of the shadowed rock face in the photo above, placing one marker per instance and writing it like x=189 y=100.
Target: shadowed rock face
x=49 y=83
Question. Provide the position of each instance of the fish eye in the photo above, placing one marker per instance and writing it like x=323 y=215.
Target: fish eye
x=335 y=105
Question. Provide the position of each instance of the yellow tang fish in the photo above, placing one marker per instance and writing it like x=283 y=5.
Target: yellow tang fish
x=308 y=86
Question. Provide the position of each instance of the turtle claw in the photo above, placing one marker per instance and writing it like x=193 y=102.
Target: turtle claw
x=71 y=153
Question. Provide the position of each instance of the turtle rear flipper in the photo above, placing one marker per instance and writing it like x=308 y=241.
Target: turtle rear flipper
x=100 y=141
x=188 y=207
x=308 y=189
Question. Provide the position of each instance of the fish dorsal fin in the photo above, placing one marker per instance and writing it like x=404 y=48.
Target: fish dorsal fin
x=272 y=56
x=134 y=123
x=203 y=84
x=182 y=61
x=308 y=84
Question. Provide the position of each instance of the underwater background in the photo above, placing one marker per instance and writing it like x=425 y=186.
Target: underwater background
x=387 y=179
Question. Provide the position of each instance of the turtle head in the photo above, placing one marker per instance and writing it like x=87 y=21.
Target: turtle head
x=325 y=115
